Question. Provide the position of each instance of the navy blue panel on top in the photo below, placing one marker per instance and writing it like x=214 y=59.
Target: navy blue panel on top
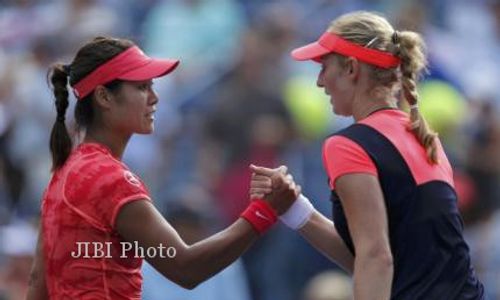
x=394 y=176
x=431 y=259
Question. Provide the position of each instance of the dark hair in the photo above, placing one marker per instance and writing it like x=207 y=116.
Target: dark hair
x=87 y=59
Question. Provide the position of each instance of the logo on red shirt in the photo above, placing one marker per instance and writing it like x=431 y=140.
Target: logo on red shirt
x=131 y=178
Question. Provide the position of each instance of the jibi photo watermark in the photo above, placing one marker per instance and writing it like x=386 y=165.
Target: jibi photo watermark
x=128 y=249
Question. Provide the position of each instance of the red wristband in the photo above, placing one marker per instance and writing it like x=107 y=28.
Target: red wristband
x=260 y=215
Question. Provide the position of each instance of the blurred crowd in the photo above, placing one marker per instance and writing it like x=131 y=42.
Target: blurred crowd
x=237 y=99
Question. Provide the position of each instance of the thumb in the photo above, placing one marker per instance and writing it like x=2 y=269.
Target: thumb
x=282 y=169
x=262 y=170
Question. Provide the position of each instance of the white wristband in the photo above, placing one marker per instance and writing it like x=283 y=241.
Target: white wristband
x=298 y=214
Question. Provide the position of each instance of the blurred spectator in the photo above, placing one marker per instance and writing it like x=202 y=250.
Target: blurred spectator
x=29 y=133
x=469 y=48
x=483 y=239
x=248 y=122
x=483 y=160
x=18 y=242
x=85 y=19
x=12 y=175
x=329 y=285
x=23 y=21
x=205 y=35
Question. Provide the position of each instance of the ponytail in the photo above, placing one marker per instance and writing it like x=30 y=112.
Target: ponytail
x=88 y=58
x=60 y=141
x=375 y=32
x=410 y=48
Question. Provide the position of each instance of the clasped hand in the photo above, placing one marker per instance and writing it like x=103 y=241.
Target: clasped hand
x=275 y=186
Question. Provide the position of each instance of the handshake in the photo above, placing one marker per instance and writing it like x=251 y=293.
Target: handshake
x=279 y=190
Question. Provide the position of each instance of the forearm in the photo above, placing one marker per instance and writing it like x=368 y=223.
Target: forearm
x=191 y=264
x=373 y=277
x=202 y=260
x=37 y=289
x=320 y=232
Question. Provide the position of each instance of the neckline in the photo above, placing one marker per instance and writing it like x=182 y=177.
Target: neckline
x=385 y=108
x=381 y=109
x=94 y=145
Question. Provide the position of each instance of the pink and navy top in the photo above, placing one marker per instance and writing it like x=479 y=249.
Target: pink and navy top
x=431 y=258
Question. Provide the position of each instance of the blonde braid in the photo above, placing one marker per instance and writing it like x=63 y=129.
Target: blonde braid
x=374 y=31
x=409 y=46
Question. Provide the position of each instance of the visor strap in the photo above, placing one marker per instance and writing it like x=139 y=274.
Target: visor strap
x=124 y=62
x=375 y=57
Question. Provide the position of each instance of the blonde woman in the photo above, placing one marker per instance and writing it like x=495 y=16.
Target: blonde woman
x=397 y=227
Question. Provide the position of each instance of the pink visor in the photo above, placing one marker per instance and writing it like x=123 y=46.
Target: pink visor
x=132 y=65
x=330 y=42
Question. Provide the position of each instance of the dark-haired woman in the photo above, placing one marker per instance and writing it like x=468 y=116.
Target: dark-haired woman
x=98 y=220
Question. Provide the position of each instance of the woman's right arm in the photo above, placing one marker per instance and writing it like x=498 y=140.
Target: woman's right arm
x=321 y=233
x=140 y=221
x=318 y=230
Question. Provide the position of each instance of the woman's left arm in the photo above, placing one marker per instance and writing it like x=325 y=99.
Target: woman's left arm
x=321 y=233
x=364 y=206
x=37 y=289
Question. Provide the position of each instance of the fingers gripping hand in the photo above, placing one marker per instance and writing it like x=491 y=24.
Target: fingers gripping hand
x=273 y=174
x=275 y=186
x=284 y=196
x=287 y=184
x=264 y=180
x=260 y=185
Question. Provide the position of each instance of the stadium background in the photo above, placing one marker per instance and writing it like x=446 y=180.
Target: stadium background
x=239 y=98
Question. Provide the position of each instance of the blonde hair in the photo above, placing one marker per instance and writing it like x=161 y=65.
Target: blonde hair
x=374 y=31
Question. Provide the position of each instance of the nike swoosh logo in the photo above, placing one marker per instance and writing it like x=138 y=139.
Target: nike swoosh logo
x=260 y=215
